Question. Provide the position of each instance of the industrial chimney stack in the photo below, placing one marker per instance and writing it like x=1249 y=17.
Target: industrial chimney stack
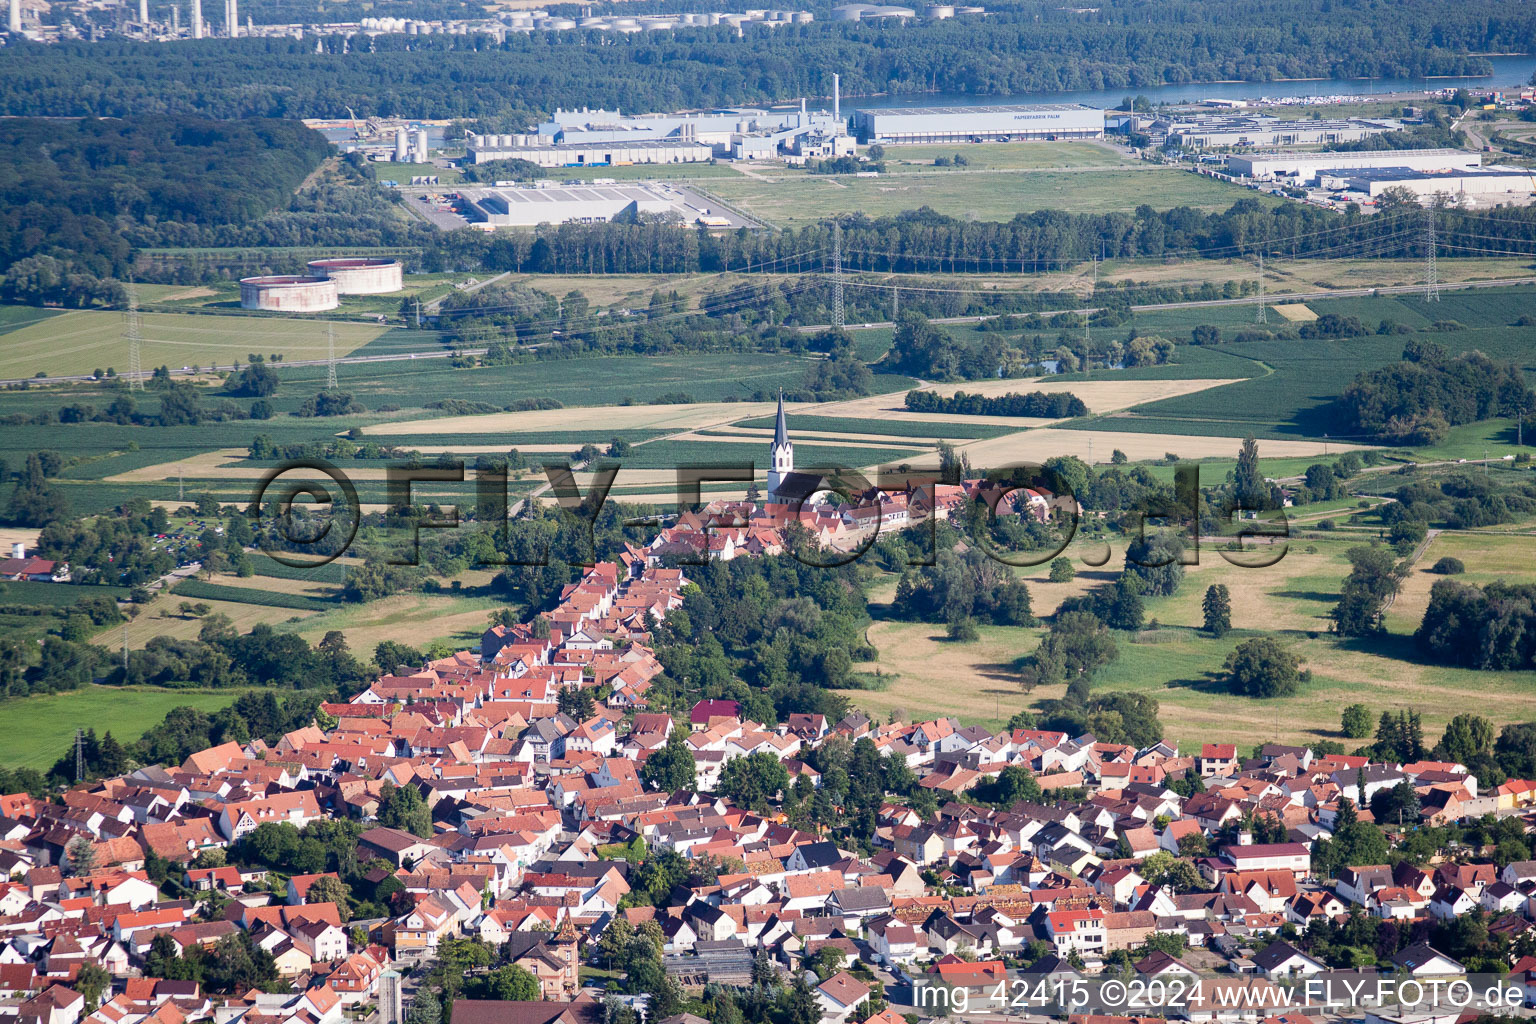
x=197 y=19
x=15 y=22
x=837 y=98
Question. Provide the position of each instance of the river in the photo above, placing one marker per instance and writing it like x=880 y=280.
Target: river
x=1507 y=72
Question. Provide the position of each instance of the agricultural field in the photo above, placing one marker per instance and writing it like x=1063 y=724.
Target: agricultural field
x=979 y=195
x=84 y=341
x=40 y=729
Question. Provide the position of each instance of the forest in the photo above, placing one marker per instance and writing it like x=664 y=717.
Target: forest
x=69 y=188
x=1019 y=47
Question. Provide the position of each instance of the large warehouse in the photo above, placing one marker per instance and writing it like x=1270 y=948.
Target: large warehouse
x=1305 y=167
x=979 y=124
x=527 y=207
x=1514 y=181
x=1204 y=131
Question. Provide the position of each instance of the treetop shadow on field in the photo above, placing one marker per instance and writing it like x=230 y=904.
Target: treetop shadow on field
x=1207 y=682
x=1307 y=595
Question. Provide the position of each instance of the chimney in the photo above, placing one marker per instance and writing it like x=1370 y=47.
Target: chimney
x=837 y=98
x=143 y=12
x=197 y=19
x=15 y=22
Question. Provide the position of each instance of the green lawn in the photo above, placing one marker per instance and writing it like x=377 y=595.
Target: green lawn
x=39 y=730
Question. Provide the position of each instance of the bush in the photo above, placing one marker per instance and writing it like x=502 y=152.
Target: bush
x=1448 y=567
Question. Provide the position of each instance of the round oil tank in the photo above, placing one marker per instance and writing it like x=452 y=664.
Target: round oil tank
x=558 y=24
x=288 y=293
x=359 y=276
x=938 y=12
x=592 y=22
x=804 y=17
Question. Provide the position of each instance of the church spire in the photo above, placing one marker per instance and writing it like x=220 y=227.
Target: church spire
x=780 y=428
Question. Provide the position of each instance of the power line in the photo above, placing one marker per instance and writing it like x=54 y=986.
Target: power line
x=837 y=276
x=134 y=336
x=330 y=364
x=1263 y=316
x=1431 y=272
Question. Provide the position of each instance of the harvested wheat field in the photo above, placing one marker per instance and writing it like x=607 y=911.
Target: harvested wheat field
x=929 y=676
x=1101 y=396
x=1096 y=445
x=596 y=417
x=1295 y=312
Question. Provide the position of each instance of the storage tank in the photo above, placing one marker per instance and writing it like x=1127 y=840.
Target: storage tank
x=804 y=17
x=288 y=293
x=939 y=12
x=558 y=24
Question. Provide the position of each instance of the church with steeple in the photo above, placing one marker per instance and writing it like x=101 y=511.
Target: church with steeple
x=785 y=486
x=781 y=456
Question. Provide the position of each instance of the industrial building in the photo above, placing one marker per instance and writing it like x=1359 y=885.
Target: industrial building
x=1456 y=185
x=288 y=293
x=540 y=150
x=979 y=124
x=1218 y=130
x=739 y=133
x=527 y=207
x=360 y=276
x=1305 y=167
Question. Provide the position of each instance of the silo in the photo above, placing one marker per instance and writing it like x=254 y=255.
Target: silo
x=288 y=293
x=402 y=145
x=359 y=276
x=421 y=146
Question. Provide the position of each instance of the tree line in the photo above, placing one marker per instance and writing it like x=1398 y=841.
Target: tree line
x=1022 y=48
x=1037 y=404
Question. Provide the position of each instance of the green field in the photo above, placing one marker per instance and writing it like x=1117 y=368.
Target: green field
x=39 y=730
x=1298 y=381
x=1009 y=156
x=83 y=341
x=978 y=195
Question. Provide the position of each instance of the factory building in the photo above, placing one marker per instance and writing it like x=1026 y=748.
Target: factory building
x=581 y=204
x=288 y=293
x=742 y=133
x=1044 y=121
x=360 y=276
x=540 y=150
x=1457 y=185
x=1305 y=167
x=1220 y=130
